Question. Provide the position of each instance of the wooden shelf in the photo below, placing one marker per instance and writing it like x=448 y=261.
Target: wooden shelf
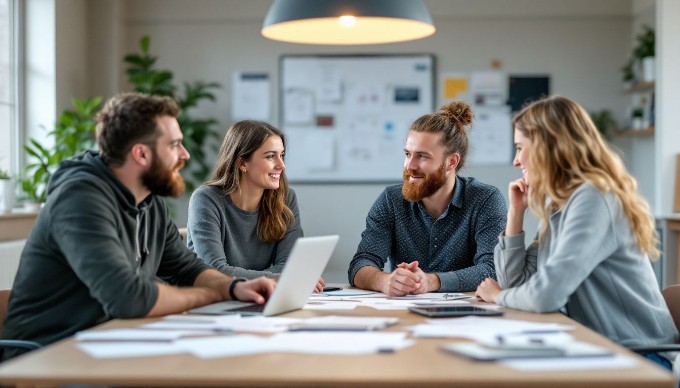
x=16 y=225
x=635 y=132
x=640 y=87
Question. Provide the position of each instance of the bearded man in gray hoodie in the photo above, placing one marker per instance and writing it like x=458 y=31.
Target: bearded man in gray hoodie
x=103 y=246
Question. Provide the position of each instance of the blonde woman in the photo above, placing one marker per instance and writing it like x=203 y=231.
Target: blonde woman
x=244 y=220
x=591 y=255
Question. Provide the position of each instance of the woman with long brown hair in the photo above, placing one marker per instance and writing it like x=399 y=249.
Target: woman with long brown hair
x=591 y=257
x=244 y=220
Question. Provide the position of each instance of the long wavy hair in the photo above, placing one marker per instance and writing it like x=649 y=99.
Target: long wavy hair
x=239 y=144
x=567 y=151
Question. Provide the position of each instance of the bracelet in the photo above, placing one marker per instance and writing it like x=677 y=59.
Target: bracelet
x=232 y=286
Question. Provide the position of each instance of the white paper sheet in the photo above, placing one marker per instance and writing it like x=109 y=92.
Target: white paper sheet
x=330 y=305
x=218 y=323
x=147 y=335
x=298 y=342
x=236 y=345
x=350 y=323
x=618 y=361
x=251 y=96
x=128 y=349
x=480 y=328
x=340 y=342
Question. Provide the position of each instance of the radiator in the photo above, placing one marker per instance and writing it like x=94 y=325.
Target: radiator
x=10 y=251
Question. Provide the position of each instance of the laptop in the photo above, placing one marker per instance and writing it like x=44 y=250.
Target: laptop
x=304 y=267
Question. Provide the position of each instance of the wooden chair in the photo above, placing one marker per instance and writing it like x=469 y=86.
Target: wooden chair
x=10 y=343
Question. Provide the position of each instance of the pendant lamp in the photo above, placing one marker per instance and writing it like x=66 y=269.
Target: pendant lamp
x=347 y=22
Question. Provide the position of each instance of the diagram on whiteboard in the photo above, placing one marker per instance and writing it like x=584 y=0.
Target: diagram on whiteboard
x=346 y=117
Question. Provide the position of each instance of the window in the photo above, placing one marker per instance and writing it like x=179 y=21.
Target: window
x=8 y=88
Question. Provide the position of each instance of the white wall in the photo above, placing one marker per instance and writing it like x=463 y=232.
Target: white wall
x=71 y=41
x=581 y=43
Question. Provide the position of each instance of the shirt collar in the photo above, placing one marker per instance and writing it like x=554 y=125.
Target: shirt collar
x=456 y=199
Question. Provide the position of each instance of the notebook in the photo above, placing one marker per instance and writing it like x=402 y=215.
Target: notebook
x=304 y=267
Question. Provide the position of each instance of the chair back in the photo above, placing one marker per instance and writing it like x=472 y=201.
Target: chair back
x=4 y=301
x=672 y=296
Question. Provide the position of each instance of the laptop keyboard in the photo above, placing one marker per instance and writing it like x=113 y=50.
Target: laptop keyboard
x=253 y=308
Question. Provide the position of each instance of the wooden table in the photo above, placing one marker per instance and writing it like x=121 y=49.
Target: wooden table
x=421 y=365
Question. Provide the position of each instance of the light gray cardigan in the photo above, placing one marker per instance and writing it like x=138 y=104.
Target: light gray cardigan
x=590 y=263
x=225 y=236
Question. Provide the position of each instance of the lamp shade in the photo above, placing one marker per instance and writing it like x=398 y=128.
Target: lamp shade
x=347 y=22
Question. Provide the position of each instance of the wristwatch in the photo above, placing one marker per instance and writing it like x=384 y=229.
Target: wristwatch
x=232 y=286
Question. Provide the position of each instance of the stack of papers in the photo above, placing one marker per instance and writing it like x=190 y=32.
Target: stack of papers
x=527 y=346
x=222 y=323
x=541 y=352
x=131 y=335
x=482 y=328
x=350 y=298
x=239 y=345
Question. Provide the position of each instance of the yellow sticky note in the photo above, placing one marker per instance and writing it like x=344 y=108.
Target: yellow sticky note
x=454 y=86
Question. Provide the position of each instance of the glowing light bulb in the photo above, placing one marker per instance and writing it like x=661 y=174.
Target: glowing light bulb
x=348 y=20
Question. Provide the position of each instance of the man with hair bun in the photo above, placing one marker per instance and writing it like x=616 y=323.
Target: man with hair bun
x=437 y=229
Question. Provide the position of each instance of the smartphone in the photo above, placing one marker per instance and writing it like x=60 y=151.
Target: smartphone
x=453 y=311
x=331 y=289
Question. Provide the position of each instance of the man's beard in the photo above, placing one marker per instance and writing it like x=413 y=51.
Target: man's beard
x=414 y=192
x=162 y=181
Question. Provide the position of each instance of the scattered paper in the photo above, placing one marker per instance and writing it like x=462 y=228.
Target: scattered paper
x=128 y=349
x=137 y=335
x=617 y=361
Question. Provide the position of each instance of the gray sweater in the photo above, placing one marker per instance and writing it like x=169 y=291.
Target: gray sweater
x=590 y=264
x=225 y=236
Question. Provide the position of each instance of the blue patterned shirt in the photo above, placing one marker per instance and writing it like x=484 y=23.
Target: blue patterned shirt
x=458 y=246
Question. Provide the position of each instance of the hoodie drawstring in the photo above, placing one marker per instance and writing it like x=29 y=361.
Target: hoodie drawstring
x=141 y=252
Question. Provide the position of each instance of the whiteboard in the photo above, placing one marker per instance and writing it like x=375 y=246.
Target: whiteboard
x=346 y=118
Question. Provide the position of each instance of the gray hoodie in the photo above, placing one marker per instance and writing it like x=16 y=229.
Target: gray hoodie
x=93 y=255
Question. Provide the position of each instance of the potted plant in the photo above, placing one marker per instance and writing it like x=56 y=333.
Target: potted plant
x=197 y=132
x=644 y=52
x=604 y=122
x=637 y=115
x=73 y=133
x=628 y=73
x=6 y=191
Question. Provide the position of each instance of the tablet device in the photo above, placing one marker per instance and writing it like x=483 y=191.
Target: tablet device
x=453 y=311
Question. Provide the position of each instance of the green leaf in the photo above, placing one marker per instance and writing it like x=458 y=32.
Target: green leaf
x=144 y=43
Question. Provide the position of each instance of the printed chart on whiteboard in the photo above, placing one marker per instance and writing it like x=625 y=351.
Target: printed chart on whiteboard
x=346 y=117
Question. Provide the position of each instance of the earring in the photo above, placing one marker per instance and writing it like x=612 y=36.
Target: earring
x=243 y=169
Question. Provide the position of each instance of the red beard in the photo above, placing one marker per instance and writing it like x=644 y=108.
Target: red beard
x=415 y=192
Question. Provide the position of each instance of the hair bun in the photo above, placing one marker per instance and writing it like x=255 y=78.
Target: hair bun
x=459 y=111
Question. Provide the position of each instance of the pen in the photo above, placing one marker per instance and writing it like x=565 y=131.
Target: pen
x=456 y=296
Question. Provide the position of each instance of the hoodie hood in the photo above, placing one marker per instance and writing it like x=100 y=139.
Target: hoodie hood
x=90 y=166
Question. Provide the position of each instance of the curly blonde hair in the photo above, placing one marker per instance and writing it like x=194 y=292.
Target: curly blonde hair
x=567 y=151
